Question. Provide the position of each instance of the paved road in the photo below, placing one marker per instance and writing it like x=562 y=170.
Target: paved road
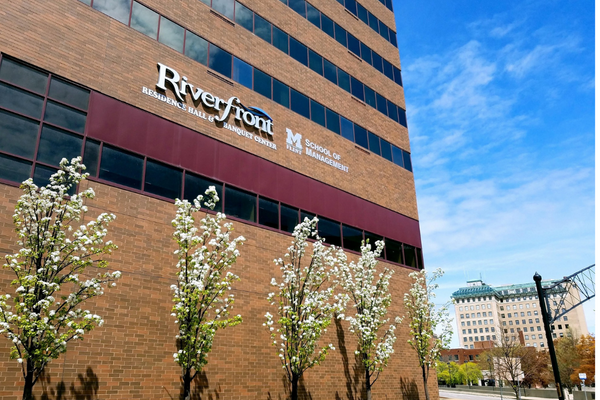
x=452 y=395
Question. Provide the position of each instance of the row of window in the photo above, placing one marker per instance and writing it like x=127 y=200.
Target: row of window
x=42 y=120
x=483 y=306
x=485 y=322
x=365 y=16
x=481 y=330
x=309 y=58
x=345 y=38
x=479 y=338
x=514 y=307
x=150 y=23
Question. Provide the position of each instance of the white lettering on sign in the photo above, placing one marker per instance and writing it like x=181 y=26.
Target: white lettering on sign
x=294 y=141
x=250 y=116
x=249 y=135
x=314 y=150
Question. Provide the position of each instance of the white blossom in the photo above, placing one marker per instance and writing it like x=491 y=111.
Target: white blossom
x=56 y=251
x=201 y=295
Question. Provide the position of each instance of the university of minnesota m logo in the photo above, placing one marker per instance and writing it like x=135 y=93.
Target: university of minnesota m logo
x=293 y=141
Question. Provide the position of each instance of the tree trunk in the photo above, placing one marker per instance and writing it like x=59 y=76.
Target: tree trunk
x=295 y=379
x=28 y=388
x=187 y=383
x=425 y=383
x=368 y=383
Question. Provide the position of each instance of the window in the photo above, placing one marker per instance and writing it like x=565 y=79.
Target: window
x=327 y=25
x=117 y=9
x=144 y=20
x=280 y=39
x=262 y=28
x=340 y=35
x=268 y=213
x=535 y=312
x=171 y=34
x=121 y=167
x=240 y=204
x=374 y=145
x=386 y=149
x=281 y=93
x=343 y=80
x=330 y=71
x=462 y=315
x=333 y=121
x=162 y=180
x=313 y=15
x=411 y=260
x=242 y=73
x=330 y=231
x=244 y=17
x=196 y=48
x=262 y=83
x=357 y=88
x=397 y=156
x=220 y=61
x=317 y=113
x=225 y=7
x=370 y=97
x=90 y=156
x=393 y=252
x=197 y=185
x=366 y=53
x=347 y=129
x=289 y=218
x=354 y=44
x=298 y=51
x=300 y=103
x=360 y=136
x=69 y=93
x=299 y=6
x=353 y=238
x=315 y=62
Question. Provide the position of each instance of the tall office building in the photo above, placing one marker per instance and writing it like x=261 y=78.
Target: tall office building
x=289 y=108
x=489 y=313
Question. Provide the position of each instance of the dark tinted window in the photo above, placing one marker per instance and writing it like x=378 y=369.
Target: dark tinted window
x=392 y=111
x=386 y=150
x=21 y=101
x=196 y=48
x=243 y=16
x=242 y=72
x=352 y=237
x=397 y=76
x=420 y=259
x=353 y=45
x=220 y=60
x=171 y=34
x=64 y=116
x=410 y=258
x=407 y=162
x=300 y=103
x=373 y=22
x=299 y=6
x=117 y=9
x=317 y=112
x=315 y=62
x=144 y=20
x=262 y=83
x=42 y=174
x=393 y=251
x=280 y=39
x=91 y=155
x=162 y=180
x=56 y=144
x=402 y=116
x=330 y=71
x=381 y=103
x=23 y=76
x=18 y=135
x=196 y=185
x=377 y=61
x=372 y=238
x=397 y=155
x=347 y=129
x=365 y=53
x=370 y=97
x=358 y=89
x=327 y=25
x=360 y=136
x=313 y=15
x=393 y=38
x=374 y=143
x=305 y=214
x=120 y=167
x=340 y=35
x=13 y=169
x=240 y=204
x=351 y=6
x=289 y=218
x=362 y=14
x=298 y=51
x=268 y=213
x=344 y=80
x=70 y=94
x=388 y=69
x=281 y=93
x=333 y=121
x=330 y=230
x=383 y=31
x=225 y=7
x=262 y=28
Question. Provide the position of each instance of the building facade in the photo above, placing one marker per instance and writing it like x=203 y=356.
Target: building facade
x=486 y=313
x=291 y=109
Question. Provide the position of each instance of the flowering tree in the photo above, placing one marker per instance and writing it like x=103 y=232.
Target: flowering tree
x=371 y=298
x=54 y=252
x=305 y=302
x=201 y=296
x=425 y=321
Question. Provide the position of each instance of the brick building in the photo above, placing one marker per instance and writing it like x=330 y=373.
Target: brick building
x=291 y=109
x=461 y=355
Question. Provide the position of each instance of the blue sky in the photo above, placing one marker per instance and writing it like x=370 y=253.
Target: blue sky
x=500 y=107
